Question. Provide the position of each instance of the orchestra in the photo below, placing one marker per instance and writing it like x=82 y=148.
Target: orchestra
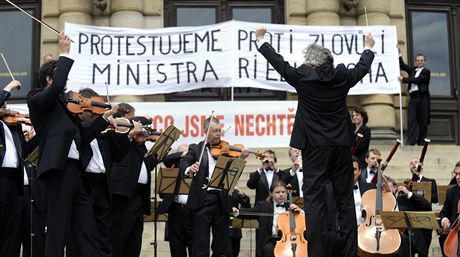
x=93 y=175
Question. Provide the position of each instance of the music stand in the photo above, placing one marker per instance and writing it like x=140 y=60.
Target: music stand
x=422 y=189
x=164 y=142
x=159 y=150
x=244 y=223
x=409 y=220
x=442 y=190
x=298 y=201
x=167 y=179
x=153 y=216
x=32 y=158
x=226 y=173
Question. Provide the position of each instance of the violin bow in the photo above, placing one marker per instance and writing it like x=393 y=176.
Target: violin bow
x=7 y=66
x=35 y=19
x=107 y=91
x=205 y=140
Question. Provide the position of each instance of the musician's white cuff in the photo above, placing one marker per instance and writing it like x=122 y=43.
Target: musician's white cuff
x=409 y=195
x=260 y=42
x=186 y=172
x=443 y=221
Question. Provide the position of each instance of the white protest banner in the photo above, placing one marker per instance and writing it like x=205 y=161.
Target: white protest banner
x=140 y=61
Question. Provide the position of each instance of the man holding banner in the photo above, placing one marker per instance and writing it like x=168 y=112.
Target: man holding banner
x=324 y=132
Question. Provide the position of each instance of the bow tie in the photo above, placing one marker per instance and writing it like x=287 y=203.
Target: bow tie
x=280 y=205
x=372 y=172
x=300 y=170
x=269 y=170
x=355 y=187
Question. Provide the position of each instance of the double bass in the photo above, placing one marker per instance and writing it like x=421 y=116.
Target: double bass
x=292 y=226
x=373 y=238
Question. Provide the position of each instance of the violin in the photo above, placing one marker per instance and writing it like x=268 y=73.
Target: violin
x=76 y=104
x=147 y=134
x=122 y=126
x=373 y=238
x=234 y=151
x=451 y=243
x=12 y=118
x=292 y=226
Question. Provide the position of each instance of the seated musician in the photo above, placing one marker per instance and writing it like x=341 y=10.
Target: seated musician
x=359 y=188
x=267 y=234
x=368 y=172
x=408 y=201
x=417 y=176
x=448 y=214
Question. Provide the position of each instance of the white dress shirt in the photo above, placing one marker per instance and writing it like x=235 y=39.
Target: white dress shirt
x=96 y=164
x=11 y=155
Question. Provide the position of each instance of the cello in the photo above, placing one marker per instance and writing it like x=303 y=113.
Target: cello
x=373 y=238
x=292 y=226
x=451 y=245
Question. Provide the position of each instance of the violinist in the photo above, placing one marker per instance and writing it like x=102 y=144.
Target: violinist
x=97 y=158
x=130 y=181
x=209 y=205
x=449 y=212
x=262 y=179
x=295 y=172
x=11 y=179
x=267 y=233
x=61 y=139
x=419 y=177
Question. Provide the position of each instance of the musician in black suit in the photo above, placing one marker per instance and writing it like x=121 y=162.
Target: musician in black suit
x=237 y=199
x=324 y=132
x=209 y=205
x=370 y=169
x=295 y=173
x=420 y=238
x=418 y=177
x=449 y=212
x=67 y=207
x=11 y=179
x=179 y=227
x=267 y=233
x=130 y=187
x=360 y=119
x=262 y=179
x=97 y=158
x=359 y=188
x=419 y=103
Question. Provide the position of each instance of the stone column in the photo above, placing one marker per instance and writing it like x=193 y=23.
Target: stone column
x=380 y=108
x=127 y=14
x=324 y=12
x=75 y=11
